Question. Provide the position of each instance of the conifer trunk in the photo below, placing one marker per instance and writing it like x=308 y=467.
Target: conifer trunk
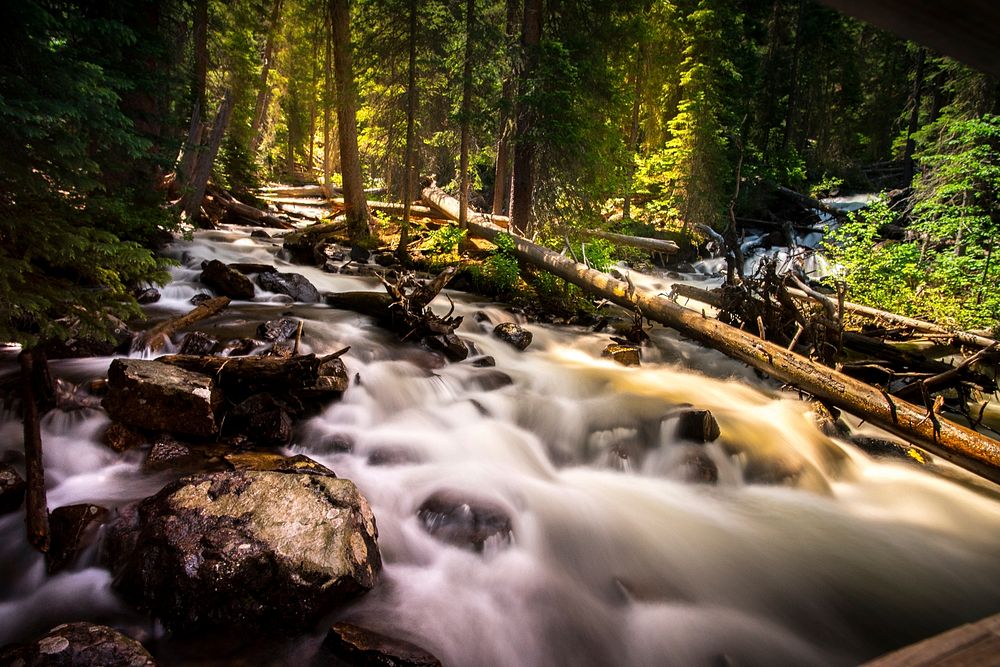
x=263 y=90
x=411 y=113
x=191 y=203
x=523 y=181
x=357 y=214
x=501 y=183
x=463 y=216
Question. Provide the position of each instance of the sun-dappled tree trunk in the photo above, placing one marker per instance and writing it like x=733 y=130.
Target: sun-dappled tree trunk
x=501 y=183
x=191 y=203
x=264 y=88
x=347 y=127
x=523 y=181
x=463 y=199
x=411 y=114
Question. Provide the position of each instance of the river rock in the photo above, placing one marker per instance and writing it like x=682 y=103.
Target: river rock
x=697 y=426
x=198 y=343
x=465 y=522
x=626 y=355
x=12 y=489
x=199 y=299
x=147 y=295
x=385 y=259
x=159 y=397
x=259 y=234
x=246 y=551
x=359 y=254
x=485 y=361
x=366 y=648
x=294 y=285
x=272 y=462
x=73 y=528
x=169 y=453
x=263 y=420
x=280 y=329
x=120 y=437
x=239 y=347
x=697 y=467
x=449 y=344
x=79 y=645
x=332 y=377
x=513 y=334
x=884 y=448
x=227 y=281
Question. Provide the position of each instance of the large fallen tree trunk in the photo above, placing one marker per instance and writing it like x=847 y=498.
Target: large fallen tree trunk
x=248 y=213
x=809 y=202
x=642 y=242
x=965 y=447
x=395 y=209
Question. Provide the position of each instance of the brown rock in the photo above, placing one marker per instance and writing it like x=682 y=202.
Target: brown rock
x=697 y=425
x=227 y=281
x=626 y=355
x=513 y=334
x=367 y=648
x=12 y=489
x=73 y=528
x=79 y=645
x=120 y=437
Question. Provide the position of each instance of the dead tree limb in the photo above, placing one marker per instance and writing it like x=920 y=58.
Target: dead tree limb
x=157 y=337
x=964 y=447
x=36 y=511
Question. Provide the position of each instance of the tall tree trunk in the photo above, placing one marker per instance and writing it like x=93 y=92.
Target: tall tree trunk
x=793 y=94
x=203 y=169
x=192 y=144
x=411 y=113
x=501 y=183
x=463 y=199
x=327 y=103
x=263 y=89
x=358 y=218
x=633 y=133
x=33 y=372
x=911 y=128
x=523 y=181
x=310 y=167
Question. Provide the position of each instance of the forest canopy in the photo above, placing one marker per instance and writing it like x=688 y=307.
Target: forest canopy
x=673 y=115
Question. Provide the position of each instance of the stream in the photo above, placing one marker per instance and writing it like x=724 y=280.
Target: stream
x=805 y=552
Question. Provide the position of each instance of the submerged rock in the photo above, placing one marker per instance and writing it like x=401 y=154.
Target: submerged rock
x=78 y=645
x=246 y=550
x=159 y=397
x=697 y=467
x=198 y=343
x=280 y=329
x=262 y=419
x=73 y=528
x=513 y=334
x=465 y=522
x=12 y=489
x=626 y=355
x=697 y=425
x=227 y=281
x=294 y=285
x=367 y=648
x=883 y=448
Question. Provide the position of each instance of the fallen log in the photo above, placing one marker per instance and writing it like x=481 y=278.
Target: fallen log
x=809 y=202
x=158 y=336
x=963 y=446
x=246 y=212
x=962 y=337
x=33 y=373
x=395 y=209
x=641 y=242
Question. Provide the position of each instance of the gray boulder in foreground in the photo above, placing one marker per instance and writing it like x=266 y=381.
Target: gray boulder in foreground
x=246 y=550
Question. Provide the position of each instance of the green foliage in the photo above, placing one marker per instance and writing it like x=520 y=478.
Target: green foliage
x=444 y=240
x=68 y=220
x=499 y=274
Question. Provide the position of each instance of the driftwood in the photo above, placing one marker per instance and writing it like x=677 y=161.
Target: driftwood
x=405 y=309
x=157 y=337
x=34 y=374
x=248 y=213
x=965 y=447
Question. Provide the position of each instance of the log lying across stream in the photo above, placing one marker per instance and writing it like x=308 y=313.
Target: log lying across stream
x=964 y=447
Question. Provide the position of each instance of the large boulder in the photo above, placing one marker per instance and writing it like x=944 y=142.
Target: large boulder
x=159 y=397
x=79 y=645
x=359 y=646
x=246 y=550
x=294 y=285
x=227 y=281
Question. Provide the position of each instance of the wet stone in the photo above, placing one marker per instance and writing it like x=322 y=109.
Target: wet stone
x=199 y=298
x=697 y=426
x=279 y=329
x=159 y=397
x=366 y=648
x=359 y=254
x=465 y=522
x=245 y=551
x=385 y=259
x=73 y=528
x=79 y=645
x=272 y=462
x=147 y=295
x=626 y=355
x=198 y=343
x=263 y=420
x=393 y=456
x=12 y=489
x=259 y=234
x=227 y=281
x=882 y=448
x=513 y=334
x=489 y=380
x=120 y=437
x=294 y=285
x=696 y=467
x=483 y=362
x=239 y=347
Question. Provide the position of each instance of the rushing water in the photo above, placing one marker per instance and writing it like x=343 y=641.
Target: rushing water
x=613 y=561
